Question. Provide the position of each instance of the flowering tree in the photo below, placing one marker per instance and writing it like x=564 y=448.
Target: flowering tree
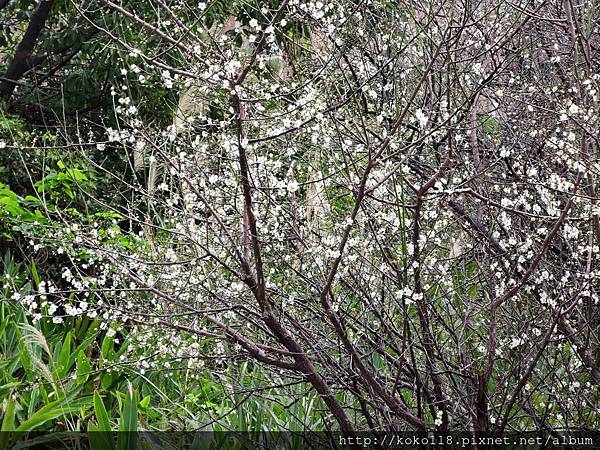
x=391 y=203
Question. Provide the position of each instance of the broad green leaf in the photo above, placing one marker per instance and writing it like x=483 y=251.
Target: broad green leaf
x=8 y=418
x=145 y=402
x=83 y=368
x=107 y=380
x=106 y=351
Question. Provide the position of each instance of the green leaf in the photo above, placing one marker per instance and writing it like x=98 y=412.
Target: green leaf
x=8 y=419
x=107 y=380
x=123 y=349
x=488 y=123
x=8 y=194
x=60 y=439
x=35 y=274
x=24 y=354
x=101 y=413
x=76 y=175
x=145 y=402
x=7 y=388
x=128 y=422
x=83 y=368
x=106 y=350
x=107 y=215
x=32 y=199
x=129 y=418
x=69 y=192
x=54 y=410
x=99 y=440
x=91 y=337
x=61 y=165
x=33 y=401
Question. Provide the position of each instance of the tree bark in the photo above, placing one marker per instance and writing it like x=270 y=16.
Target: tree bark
x=21 y=63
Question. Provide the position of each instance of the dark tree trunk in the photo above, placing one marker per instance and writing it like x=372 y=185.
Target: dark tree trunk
x=24 y=59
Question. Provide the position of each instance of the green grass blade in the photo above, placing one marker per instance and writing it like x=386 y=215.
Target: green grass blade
x=128 y=422
x=100 y=440
x=101 y=414
x=63 y=362
x=34 y=273
x=53 y=411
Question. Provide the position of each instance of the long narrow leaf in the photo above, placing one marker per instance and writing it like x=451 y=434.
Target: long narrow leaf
x=53 y=411
x=128 y=422
x=100 y=440
x=8 y=420
x=101 y=413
